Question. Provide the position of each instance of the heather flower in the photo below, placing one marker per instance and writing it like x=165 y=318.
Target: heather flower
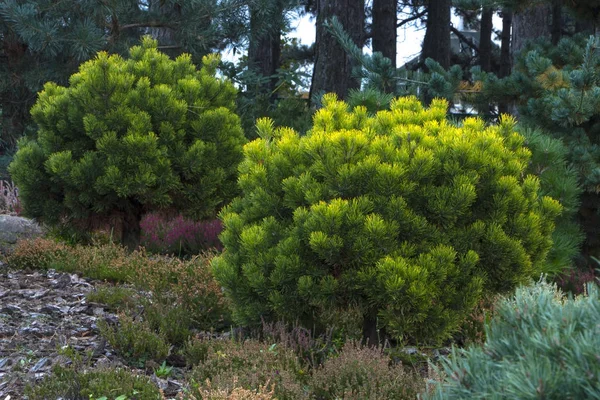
x=179 y=235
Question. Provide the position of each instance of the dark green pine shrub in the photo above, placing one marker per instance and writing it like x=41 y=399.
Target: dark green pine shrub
x=400 y=215
x=129 y=136
x=540 y=345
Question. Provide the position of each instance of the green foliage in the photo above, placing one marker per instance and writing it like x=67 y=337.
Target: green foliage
x=77 y=381
x=400 y=215
x=135 y=340
x=560 y=181
x=129 y=135
x=539 y=345
x=376 y=71
x=115 y=297
x=284 y=104
x=163 y=371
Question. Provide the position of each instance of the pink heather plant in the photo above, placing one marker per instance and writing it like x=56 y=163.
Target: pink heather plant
x=9 y=198
x=179 y=235
x=574 y=281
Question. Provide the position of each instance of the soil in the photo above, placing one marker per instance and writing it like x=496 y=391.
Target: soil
x=42 y=311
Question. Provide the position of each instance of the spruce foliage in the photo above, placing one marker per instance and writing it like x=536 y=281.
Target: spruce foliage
x=128 y=136
x=540 y=345
x=400 y=215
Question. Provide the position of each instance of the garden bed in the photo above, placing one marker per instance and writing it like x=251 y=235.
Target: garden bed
x=43 y=311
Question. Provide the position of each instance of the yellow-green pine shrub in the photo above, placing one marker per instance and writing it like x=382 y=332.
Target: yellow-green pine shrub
x=129 y=136
x=401 y=214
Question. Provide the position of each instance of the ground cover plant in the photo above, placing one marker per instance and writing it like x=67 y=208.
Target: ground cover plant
x=540 y=344
x=127 y=136
x=187 y=286
x=78 y=381
x=401 y=215
x=164 y=234
x=154 y=333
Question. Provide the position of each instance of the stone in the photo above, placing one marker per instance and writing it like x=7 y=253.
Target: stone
x=13 y=229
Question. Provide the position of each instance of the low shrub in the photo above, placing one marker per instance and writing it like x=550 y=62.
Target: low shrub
x=540 y=345
x=135 y=340
x=9 y=198
x=116 y=298
x=192 y=286
x=179 y=235
x=249 y=364
x=363 y=373
x=575 y=280
x=38 y=253
x=77 y=381
x=170 y=320
x=311 y=349
x=472 y=329
x=401 y=215
x=237 y=393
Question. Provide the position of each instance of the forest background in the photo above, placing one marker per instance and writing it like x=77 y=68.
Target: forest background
x=533 y=63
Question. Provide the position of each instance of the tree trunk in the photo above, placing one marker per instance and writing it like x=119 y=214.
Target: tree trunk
x=333 y=67
x=532 y=23
x=370 y=334
x=436 y=44
x=131 y=230
x=557 y=24
x=589 y=219
x=485 y=39
x=15 y=99
x=264 y=50
x=505 y=53
x=384 y=28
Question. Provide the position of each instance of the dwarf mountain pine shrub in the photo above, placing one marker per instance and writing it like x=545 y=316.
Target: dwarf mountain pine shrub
x=402 y=215
x=540 y=345
x=129 y=136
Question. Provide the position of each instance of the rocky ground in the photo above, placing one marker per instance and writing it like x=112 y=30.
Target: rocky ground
x=42 y=311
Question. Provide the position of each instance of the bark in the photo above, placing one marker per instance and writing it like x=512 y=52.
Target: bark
x=589 y=219
x=532 y=23
x=485 y=39
x=371 y=336
x=436 y=44
x=582 y=26
x=333 y=67
x=505 y=53
x=16 y=99
x=264 y=51
x=557 y=24
x=131 y=230
x=384 y=28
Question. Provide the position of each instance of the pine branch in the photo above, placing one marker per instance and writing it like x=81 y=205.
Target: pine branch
x=410 y=19
x=464 y=39
x=150 y=24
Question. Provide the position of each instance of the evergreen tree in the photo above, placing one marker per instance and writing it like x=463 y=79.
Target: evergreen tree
x=436 y=44
x=383 y=28
x=45 y=40
x=333 y=66
x=129 y=136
